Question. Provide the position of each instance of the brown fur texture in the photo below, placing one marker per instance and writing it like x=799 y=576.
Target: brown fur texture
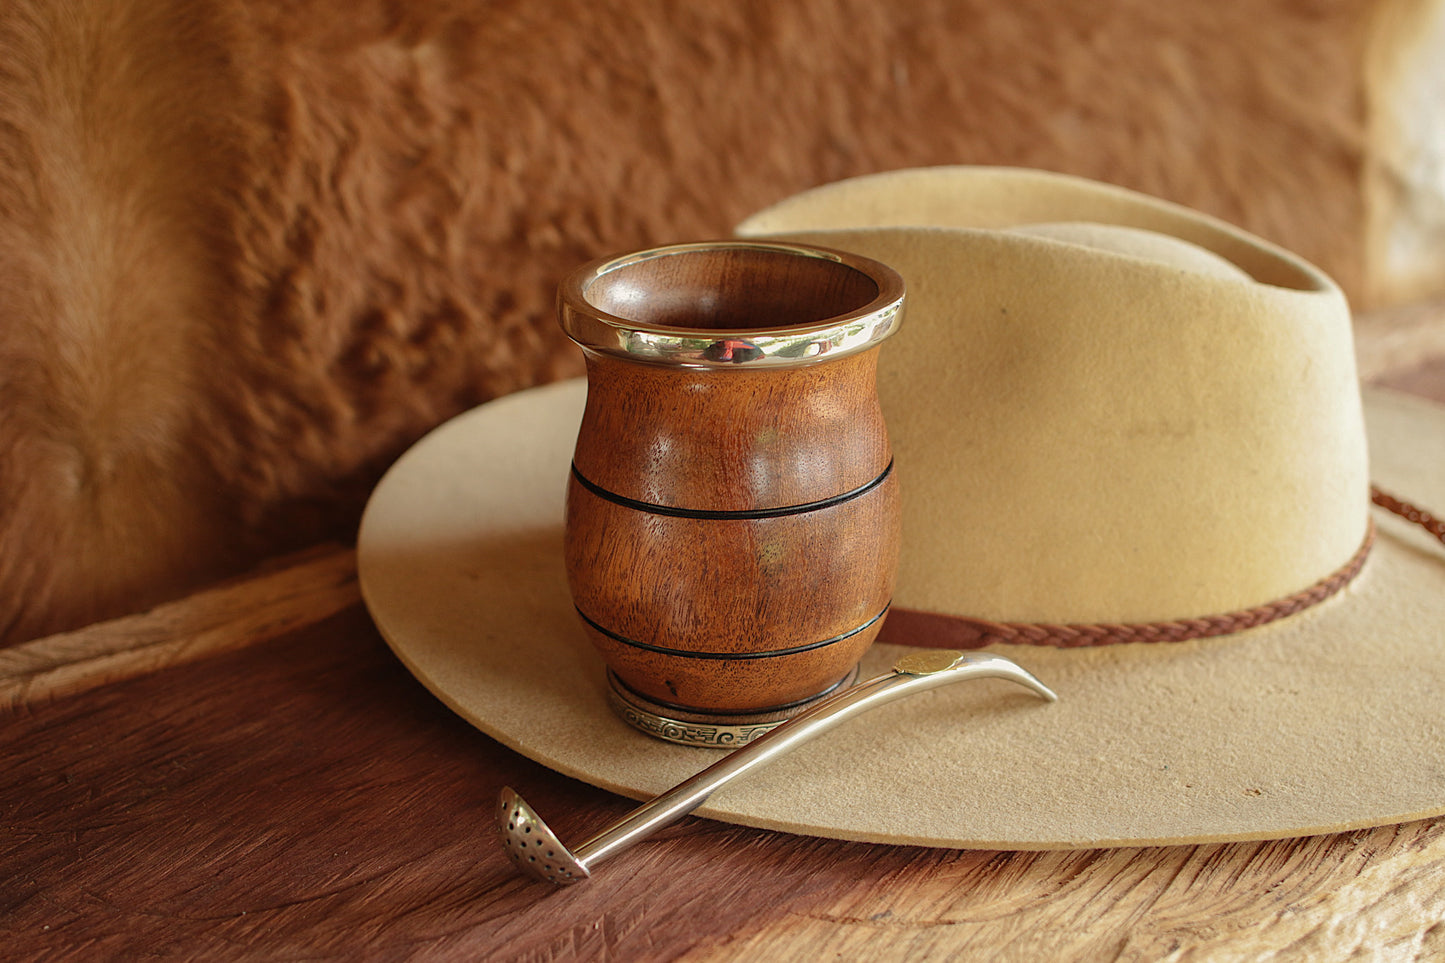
x=251 y=249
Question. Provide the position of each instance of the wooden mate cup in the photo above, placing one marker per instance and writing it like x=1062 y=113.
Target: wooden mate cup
x=732 y=515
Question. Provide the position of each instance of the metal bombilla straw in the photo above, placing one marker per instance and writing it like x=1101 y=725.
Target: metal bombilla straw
x=537 y=851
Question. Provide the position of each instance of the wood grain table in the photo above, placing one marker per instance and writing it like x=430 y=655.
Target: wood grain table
x=248 y=773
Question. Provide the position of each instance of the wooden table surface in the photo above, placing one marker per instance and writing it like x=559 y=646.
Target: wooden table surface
x=249 y=773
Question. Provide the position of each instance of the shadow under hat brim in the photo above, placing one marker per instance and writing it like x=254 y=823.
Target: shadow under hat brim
x=1326 y=721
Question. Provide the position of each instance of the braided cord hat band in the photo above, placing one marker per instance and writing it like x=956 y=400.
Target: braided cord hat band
x=933 y=630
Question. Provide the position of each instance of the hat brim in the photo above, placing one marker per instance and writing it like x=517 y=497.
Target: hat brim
x=1328 y=721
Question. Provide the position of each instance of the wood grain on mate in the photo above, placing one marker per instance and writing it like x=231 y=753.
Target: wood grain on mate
x=767 y=589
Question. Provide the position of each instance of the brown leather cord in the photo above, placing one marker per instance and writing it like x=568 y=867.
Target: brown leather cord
x=932 y=630
x=1409 y=512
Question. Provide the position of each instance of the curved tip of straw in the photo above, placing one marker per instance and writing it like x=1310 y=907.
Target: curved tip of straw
x=1014 y=672
x=970 y=665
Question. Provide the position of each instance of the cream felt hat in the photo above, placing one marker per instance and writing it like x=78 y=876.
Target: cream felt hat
x=1113 y=419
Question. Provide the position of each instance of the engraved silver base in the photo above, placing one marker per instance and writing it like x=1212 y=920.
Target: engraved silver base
x=712 y=730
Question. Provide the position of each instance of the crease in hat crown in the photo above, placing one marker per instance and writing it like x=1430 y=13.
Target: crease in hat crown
x=1105 y=407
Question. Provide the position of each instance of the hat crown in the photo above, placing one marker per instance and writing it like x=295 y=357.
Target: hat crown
x=1104 y=407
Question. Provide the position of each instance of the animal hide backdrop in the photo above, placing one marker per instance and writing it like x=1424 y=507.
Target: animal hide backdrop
x=251 y=249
